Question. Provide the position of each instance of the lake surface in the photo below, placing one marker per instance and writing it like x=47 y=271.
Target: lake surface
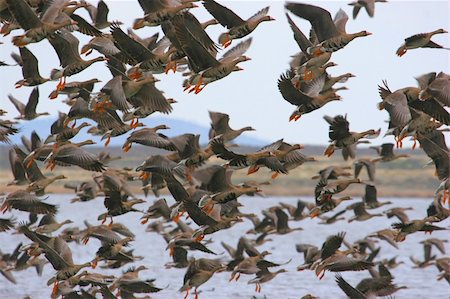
x=421 y=283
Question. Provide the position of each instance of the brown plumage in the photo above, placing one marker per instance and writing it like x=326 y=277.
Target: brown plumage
x=237 y=27
x=421 y=40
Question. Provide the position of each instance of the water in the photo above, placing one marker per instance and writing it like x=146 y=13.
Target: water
x=421 y=283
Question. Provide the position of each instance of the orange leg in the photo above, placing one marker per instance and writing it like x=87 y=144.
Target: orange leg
x=187 y=294
x=53 y=165
x=200 y=89
x=238 y=276
x=94 y=263
x=322 y=274
x=85 y=240
x=55 y=288
x=187 y=87
x=329 y=151
x=232 y=277
x=177 y=217
x=445 y=196
x=196 y=293
x=172 y=65
x=30 y=163
x=61 y=84
x=111 y=222
x=415 y=143
x=127 y=147
x=144 y=221
x=108 y=140
x=104 y=219
x=275 y=175
x=208 y=207
x=197 y=86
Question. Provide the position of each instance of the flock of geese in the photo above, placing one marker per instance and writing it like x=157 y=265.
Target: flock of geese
x=203 y=192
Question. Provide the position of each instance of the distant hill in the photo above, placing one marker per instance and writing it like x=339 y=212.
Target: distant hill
x=177 y=127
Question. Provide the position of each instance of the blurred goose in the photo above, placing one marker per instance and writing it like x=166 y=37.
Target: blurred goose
x=368 y=164
x=159 y=11
x=118 y=204
x=360 y=213
x=220 y=126
x=386 y=153
x=404 y=229
x=38 y=186
x=68 y=133
x=434 y=145
x=99 y=14
x=66 y=47
x=349 y=152
x=37 y=29
x=198 y=273
x=370 y=198
x=48 y=224
x=282 y=226
x=59 y=255
x=24 y=201
x=341 y=136
x=325 y=190
x=28 y=111
x=332 y=219
x=264 y=276
x=7 y=129
x=387 y=235
x=421 y=40
x=436 y=86
x=305 y=103
x=17 y=168
x=206 y=68
x=368 y=5
x=242 y=160
x=332 y=173
x=350 y=291
x=72 y=154
x=250 y=265
x=237 y=27
x=399 y=213
x=336 y=261
x=150 y=137
x=327 y=32
x=6 y=224
x=30 y=70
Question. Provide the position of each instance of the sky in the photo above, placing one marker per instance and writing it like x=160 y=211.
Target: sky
x=251 y=97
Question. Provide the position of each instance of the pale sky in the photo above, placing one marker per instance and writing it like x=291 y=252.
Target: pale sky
x=251 y=97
